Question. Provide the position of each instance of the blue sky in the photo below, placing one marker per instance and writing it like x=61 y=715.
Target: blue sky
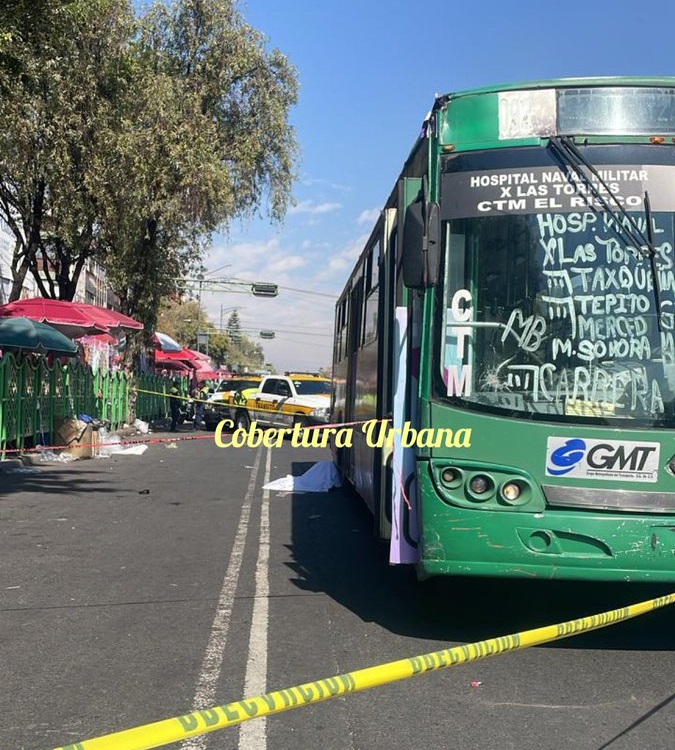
x=368 y=75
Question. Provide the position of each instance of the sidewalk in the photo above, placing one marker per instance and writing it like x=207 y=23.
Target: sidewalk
x=160 y=429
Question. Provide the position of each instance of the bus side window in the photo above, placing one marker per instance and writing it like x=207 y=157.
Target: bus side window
x=371 y=299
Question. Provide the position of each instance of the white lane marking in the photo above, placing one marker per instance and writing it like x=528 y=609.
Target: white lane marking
x=205 y=691
x=253 y=734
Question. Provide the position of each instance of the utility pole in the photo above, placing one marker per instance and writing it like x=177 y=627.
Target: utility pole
x=199 y=313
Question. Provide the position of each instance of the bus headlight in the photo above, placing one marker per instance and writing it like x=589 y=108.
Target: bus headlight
x=480 y=485
x=511 y=491
x=451 y=477
x=515 y=492
x=467 y=484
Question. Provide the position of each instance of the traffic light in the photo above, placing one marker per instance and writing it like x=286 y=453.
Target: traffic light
x=267 y=334
x=261 y=289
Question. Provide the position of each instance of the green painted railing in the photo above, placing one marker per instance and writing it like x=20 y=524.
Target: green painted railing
x=34 y=396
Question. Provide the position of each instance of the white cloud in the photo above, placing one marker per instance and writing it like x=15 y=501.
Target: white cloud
x=312 y=208
x=369 y=216
x=243 y=258
x=311 y=182
x=346 y=258
x=303 y=321
x=266 y=260
x=303 y=325
x=314 y=246
x=287 y=263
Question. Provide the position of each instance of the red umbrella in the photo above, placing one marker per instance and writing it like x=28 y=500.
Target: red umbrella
x=208 y=374
x=184 y=355
x=62 y=315
x=109 y=319
x=175 y=366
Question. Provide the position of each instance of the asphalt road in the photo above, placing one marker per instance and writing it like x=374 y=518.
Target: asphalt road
x=137 y=588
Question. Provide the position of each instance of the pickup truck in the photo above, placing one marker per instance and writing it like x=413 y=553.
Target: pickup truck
x=219 y=405
x=283 y=401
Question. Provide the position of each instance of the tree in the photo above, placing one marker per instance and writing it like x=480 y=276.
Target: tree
x=59 y=62
x=220 y=348
x=234 y=327
x=133 y=141
x=215 y=143
x=182 y=320
x=248 y=354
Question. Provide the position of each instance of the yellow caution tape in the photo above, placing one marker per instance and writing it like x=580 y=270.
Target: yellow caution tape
x=209 y=720
x=174 y=395
x=304 y=411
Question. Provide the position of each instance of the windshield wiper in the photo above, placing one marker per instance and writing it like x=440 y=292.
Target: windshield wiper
x=652 y=262
x=573 y=158
x=570 y=156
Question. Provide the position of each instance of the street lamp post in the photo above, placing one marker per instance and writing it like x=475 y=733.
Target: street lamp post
x=203 y=338
x=200 y=279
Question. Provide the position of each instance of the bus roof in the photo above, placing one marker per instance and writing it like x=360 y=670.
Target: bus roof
x=566 y=83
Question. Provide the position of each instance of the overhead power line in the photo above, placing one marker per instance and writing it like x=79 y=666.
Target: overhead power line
x=307 y=291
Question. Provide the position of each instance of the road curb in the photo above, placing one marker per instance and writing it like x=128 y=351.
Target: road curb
x=7 y=464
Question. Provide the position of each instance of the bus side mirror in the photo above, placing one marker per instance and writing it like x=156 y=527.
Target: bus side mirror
x=421 y=253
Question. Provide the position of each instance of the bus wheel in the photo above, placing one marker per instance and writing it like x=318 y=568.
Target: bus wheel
x=242 y=421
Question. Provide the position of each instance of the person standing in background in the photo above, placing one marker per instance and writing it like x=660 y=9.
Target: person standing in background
x=201 y=397
x=174 y=404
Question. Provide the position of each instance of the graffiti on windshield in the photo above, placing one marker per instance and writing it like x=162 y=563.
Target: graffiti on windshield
x=562 y=316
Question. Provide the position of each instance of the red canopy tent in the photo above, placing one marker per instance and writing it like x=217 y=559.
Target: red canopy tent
x=110 y=319
x=204 y=369
x=184 y=355
x=198 y=364
x=74 y=319
x=62 y=315
x=209 y=374
x=175 y=366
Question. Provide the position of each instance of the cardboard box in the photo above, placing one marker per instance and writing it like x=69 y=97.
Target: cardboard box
x=83 y=448
x=77 y=436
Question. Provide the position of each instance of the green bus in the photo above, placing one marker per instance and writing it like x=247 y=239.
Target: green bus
x=510 y=327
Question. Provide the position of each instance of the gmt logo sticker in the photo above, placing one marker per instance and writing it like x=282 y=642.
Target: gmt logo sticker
x=602 y=459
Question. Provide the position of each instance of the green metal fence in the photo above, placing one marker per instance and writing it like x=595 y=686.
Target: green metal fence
x=34 y=396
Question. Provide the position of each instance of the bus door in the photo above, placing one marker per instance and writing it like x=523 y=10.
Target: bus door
x=383 y=472
x=353 y=343
x=407 y=313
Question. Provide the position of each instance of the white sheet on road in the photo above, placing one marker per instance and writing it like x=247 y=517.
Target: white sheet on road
x=321 y=477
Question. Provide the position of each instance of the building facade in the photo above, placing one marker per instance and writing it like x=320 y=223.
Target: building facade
x=7 y=242
x=92 y=286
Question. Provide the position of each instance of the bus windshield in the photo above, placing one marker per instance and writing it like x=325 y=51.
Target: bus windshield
x=548 y=310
